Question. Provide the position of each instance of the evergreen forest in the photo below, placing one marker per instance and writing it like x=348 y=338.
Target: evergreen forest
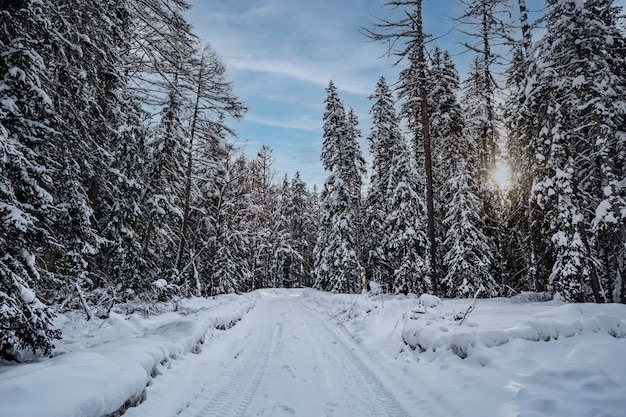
x=123 y=183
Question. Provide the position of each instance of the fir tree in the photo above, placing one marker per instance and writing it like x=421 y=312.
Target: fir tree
x=412 y=87
x=24 y=177
x=337 y=264
x=395 y=209
x=575 y=88
x=469 y=257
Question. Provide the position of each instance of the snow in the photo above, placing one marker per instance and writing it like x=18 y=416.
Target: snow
x=101 y=364
x=306 y=352
x=26 y=295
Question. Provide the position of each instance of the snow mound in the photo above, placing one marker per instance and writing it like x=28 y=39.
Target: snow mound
x=428 y=300
x=99 y=378
x=438 y=333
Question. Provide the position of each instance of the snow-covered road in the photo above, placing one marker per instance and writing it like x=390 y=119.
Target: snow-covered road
x=283 y=359
x=307 y=353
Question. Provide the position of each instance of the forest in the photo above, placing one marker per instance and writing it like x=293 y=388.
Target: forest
x=122 y=181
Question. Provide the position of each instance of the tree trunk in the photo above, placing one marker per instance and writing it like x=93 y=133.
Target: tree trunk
x=526 y=33
x=194 y=122
x=430 y=211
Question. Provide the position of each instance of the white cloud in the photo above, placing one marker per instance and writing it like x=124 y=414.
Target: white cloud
x=308 y=72
x=301 y=123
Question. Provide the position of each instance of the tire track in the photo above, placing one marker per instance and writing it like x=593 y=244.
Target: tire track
x=428 y=403
x=383 y=403
x=250 y=372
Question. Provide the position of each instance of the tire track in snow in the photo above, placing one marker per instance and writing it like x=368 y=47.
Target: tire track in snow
x=383 y=403
x=428 y=402
x=250 y=373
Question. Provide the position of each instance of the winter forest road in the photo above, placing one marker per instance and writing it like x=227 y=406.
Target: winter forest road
x=282 y=359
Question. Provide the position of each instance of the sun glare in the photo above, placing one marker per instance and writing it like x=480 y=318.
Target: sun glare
x=502 y=175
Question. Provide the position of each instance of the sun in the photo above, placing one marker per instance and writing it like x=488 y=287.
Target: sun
x=502 y=175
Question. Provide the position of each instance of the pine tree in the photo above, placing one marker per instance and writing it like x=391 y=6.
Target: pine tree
x=337 y=266
x=474 y=104
x=384 y=128
x=469 y=257
x=446 y=127
x=230 y=268
x=409 y=32
x=337 y=263
x=575 y=89
x=300 y=214
x=394 y=210
x=403 y=241
x=161 y=201
x=24 y=201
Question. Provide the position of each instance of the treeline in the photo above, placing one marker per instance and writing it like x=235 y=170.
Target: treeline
x=434 y=218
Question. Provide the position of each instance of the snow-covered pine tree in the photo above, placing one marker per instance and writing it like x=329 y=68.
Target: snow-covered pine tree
x=575 y=87
x=394 y=208
x=287 y=261
x=302 y=228
x=314 y=216
x=163 y=195
x=446 y=128
x=263 y=206
x=355 y=171
x=384 y=126
x=25 y=106
x=403 y=241
x=337 y=265
x=231 y=253
x=483 y=186
x=407 y=33
x=209 y=191
x=468 y=255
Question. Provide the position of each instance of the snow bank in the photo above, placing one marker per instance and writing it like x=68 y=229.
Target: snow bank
x=437 y=332
x=509 y=357
x=429 y=324
x=103 y=366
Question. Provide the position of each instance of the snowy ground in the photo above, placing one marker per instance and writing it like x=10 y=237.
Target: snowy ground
x=307 y=353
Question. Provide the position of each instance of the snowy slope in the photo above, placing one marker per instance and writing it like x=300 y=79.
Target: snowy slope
x=102 y=365
x=309 y=353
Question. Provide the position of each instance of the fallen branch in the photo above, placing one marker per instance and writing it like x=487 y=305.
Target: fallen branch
x=470 y=308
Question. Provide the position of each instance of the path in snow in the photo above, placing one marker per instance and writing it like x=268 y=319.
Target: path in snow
x=283 y=359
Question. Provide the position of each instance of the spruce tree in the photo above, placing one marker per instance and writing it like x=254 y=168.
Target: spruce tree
x=337 y=264
x=395 y=209
x=575 y=88
x=25 y=203
x=446 y=127
x=408 y=31
x=468 y=257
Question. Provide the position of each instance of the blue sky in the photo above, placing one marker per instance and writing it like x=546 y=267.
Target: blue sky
x=281 y=54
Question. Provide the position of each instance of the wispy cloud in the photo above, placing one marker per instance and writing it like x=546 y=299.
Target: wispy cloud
x=300 y=123
x=311 y=72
